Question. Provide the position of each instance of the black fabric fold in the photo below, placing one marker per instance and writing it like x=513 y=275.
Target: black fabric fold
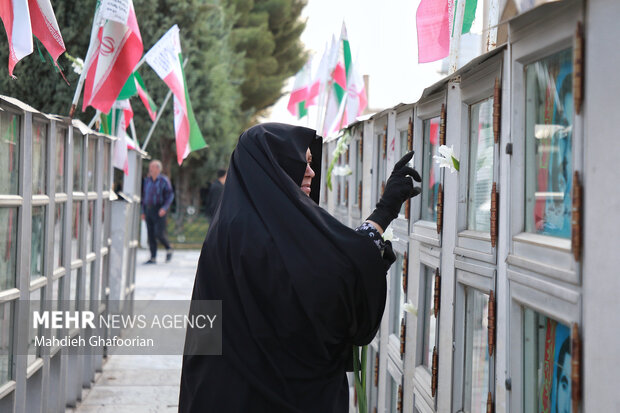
x=298 y=288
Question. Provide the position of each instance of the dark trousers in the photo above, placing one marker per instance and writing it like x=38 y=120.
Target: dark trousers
x=156 y=229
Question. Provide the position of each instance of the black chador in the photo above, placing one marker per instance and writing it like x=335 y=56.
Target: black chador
x=298 y=288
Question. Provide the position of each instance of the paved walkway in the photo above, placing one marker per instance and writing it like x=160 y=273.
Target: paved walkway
x=141 y=384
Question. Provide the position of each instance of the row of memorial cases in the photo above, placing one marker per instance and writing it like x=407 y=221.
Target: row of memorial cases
x=493 y=257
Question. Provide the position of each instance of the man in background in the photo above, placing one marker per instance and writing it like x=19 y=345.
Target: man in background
x=157 y=195
x=215 y=194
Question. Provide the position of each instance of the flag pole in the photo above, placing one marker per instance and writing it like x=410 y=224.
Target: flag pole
x=132 y=127
x=94 y=119
x=89 y=53
x=160 y=111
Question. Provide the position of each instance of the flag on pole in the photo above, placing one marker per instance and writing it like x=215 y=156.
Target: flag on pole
x=320 y=79
x=115 y=123
x=341 y=55
x=135 y=86
x=299 y=95
x=115 y=50
x=468 y=16
x=22 y=19
x=433 y=26
x=356 y=95
x=149 y=103
x=166 y=59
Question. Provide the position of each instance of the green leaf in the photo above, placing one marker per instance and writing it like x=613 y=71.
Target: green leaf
x=456 y=163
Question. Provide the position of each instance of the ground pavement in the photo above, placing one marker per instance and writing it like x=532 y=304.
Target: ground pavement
x=141 y=384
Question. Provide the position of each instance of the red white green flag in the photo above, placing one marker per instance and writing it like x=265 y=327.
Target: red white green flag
x=299 y=95
x=22 y=19
x=135 y=86
x=337 y=91
x=115 y=50
x=166 y=59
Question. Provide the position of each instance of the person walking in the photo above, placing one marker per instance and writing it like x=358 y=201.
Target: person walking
x=214 y=195
x=298 y=288
x=157 y=195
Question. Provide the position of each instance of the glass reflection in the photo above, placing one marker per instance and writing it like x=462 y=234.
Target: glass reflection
x=549 y=135
x=397 y=294
x=8 y=247
x=37 y=243
x=480 y=165
x=78 y=142
x=476 y=385
x=39 y=158
x=61 y=137
x=10 y=126
x=546 y=364
x=431 y=176
x=6 y=338
x=430 y=321
x=59 y=224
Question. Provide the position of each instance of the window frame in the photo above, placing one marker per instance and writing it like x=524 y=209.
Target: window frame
x=544 y=254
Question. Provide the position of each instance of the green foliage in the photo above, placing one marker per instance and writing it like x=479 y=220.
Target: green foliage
x=267 y=32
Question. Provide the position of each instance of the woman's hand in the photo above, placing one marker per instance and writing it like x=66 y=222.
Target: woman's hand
x=398 y=188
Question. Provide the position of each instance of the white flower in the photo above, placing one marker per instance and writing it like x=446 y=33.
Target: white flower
x=342 y=170
x=388 y=235
x=408 y=307
x=78 y=65
x=447 y=158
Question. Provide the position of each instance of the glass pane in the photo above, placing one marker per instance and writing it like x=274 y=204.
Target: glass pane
x=8 y=247
x=92 y=161
x=87 y=278
x=476 y=386
x=37 y=242
x=397 y=295
x=393 y=395
x=39 y=158
x=106 y=166
x=59 y=224
x=61 y=139
x=104 y=232
x=90 y=240
x=480 y=165
x=431 y=174
x=56 y=295
x=548 y=153
x=10 y=125
x=380 y=165
x=78 y=141
x=75 y=229
x=370 y=379
x=430 y=322
x=403 y=150
x=35 y=305
x=6 y=337
x=73 y=289
x=103 y=282
x=546 y=364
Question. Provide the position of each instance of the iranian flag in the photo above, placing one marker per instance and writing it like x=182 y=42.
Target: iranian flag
x=356 y=95
x=22 y=19
x=115 y=123
x=115 y=50
x=337 y=91
x=166 y=59
x=135 y=86
x=299 y=94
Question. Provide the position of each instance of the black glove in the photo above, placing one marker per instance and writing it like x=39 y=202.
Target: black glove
x=398 y=188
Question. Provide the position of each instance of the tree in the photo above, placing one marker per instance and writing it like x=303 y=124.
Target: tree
x=268 y=33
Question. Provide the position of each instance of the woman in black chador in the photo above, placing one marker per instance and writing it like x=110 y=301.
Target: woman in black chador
x=298 y=288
